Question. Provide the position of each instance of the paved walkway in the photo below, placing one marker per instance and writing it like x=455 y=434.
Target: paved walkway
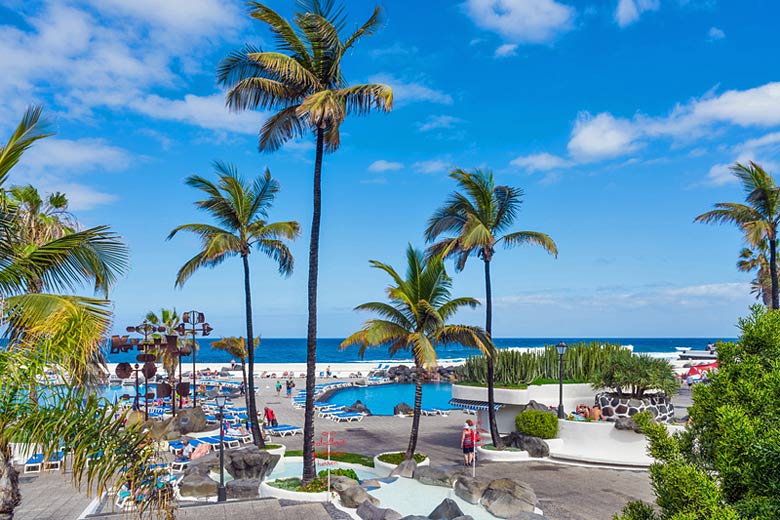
x=566 y=492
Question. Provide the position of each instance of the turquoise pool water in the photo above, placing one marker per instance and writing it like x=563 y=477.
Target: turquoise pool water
x=381 y=399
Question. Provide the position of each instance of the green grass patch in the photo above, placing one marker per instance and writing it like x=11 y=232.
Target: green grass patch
x=397 y=458
x=350 y=458
x=317 y=485
x=272 y=447
x=338 y=472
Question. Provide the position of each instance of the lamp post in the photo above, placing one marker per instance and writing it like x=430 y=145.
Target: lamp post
x=221 y=492
x=198 y=325
x=561 y=348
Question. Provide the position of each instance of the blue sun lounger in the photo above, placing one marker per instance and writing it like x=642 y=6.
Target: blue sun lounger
x=283 y=430
x=346 y=416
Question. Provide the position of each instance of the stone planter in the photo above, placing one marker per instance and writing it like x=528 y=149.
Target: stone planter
x=268 y=491
x=278 y=451
x=506 y=455
x=659 y=405
x=384 y=469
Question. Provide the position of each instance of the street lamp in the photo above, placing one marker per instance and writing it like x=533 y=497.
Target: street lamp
x=561 y=348
x=198 y=325
x=221 y=493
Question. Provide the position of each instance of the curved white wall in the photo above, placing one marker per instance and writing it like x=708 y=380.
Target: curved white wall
x=573 y=394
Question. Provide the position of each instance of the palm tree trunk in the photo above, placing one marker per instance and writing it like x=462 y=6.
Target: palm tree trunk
x=495 y=437
x=416 y=417
x=257 y=436
x=309 y=471
x=773 y=272
x=246 y=384
x=10 y=498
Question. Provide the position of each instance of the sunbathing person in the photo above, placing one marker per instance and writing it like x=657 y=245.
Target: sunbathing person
x=186 y=452
x=595 y=413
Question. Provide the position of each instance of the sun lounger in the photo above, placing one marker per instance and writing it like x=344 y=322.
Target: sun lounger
x=429 y=411
x=34 y=464
x=54 y=461
x=327 y=412
x=346 y=416
x=443 y=413
x=230 y=442
x=283 y=430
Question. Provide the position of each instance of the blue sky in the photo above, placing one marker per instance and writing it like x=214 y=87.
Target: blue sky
x=618 y=119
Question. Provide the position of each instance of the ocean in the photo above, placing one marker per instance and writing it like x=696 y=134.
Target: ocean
x=293 y=350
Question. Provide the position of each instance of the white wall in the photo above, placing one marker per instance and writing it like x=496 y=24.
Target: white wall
x=573 y=394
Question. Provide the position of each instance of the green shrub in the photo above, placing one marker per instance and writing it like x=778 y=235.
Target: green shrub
x=632 y=376
x=349 y=473
x=724 y=466
x=317 y=485
x=537 y=424
x=397 y=458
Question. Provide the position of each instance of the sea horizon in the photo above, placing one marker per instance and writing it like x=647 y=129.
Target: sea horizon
x=293 y=350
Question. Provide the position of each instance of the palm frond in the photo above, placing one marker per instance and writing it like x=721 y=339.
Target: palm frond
x=30 y=129
x=522 y=238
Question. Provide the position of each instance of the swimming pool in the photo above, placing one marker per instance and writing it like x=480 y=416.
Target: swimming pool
x=381 y=399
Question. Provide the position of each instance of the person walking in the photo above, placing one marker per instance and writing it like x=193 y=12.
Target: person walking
x=278 y=389
x=290 y=386
x=468 y=441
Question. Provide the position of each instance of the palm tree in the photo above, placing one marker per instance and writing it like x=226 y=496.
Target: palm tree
x=236 y=347
x=755 y=260
x=64 y=332
x=41 y=219
x=239 y=208
x=169 y=319
x=303 y=82
x=758 y=218
x=476 y=220
x=415 y=319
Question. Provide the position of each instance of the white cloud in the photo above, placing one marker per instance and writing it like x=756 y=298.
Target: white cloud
x=522 y=21
x=181 y=17
x=202 y=111
x=437 y=122
x=409 y=91
x=703 y=295
x=762 y=150
x=384 y=166
x=601 y=136
x=55 y=162
x=715 y=34
x=605 y=136
x=506 y=50
x=431 y=166
x=541 y=162
x=78 y=57
x=629 y=11
x=80 y=155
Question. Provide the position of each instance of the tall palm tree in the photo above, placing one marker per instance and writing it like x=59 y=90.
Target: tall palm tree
x=240 y=208
x=303 y=82
x=474 y=221
x=236 y=347
x=758 y=218
x=415 y=319
x=755 y=260
x=64 y=332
